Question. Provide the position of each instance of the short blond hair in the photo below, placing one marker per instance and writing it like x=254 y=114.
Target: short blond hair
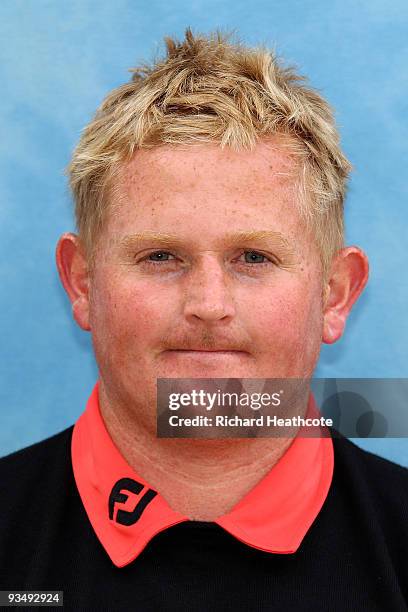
x=208 y=89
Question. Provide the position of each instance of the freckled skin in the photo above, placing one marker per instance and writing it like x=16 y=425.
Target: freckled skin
x=203 y=248
x=135 y=314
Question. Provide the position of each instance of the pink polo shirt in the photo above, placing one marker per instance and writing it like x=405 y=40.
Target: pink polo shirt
x=126 y=513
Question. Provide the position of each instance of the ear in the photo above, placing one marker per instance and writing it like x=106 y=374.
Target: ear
x=347 y=279
x=74 y=274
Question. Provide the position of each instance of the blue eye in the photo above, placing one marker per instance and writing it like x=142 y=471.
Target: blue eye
x=160 y=256
x=254 y=257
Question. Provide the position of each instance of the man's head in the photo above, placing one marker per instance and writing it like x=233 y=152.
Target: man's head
x=209 y=90
x=209 y=199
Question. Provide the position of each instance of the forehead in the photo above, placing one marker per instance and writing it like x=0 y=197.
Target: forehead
x=151 y=173
x=202 y=192
x=203 y=195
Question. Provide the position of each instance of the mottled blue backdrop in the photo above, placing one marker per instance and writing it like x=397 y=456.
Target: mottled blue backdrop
x=60 y=58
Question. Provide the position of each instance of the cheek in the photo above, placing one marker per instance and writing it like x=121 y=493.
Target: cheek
x=124 y=316
x=289 y=320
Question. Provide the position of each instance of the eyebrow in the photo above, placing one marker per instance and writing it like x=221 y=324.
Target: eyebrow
x=158 y=238
x=285 y=250
x=266 y=236
x=231 y=238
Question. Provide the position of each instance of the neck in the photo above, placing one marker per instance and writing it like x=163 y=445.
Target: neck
x=201 y=479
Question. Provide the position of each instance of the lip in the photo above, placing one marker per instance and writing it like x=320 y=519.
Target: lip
x=206 y=351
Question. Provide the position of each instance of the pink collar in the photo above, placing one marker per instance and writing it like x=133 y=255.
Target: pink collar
x=126 y=513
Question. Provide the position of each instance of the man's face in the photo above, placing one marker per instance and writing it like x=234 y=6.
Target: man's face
x=205 y=269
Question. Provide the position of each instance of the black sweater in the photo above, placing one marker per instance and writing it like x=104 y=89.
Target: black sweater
x=354 y=557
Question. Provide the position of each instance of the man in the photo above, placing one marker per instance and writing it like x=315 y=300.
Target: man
x=209 y=201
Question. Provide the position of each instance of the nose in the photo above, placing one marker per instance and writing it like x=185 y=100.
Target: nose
x=208 y=293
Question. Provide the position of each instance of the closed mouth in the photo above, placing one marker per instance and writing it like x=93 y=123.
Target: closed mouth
x=209 y=351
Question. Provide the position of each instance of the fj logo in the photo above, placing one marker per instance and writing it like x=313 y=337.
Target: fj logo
x=118 y=495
